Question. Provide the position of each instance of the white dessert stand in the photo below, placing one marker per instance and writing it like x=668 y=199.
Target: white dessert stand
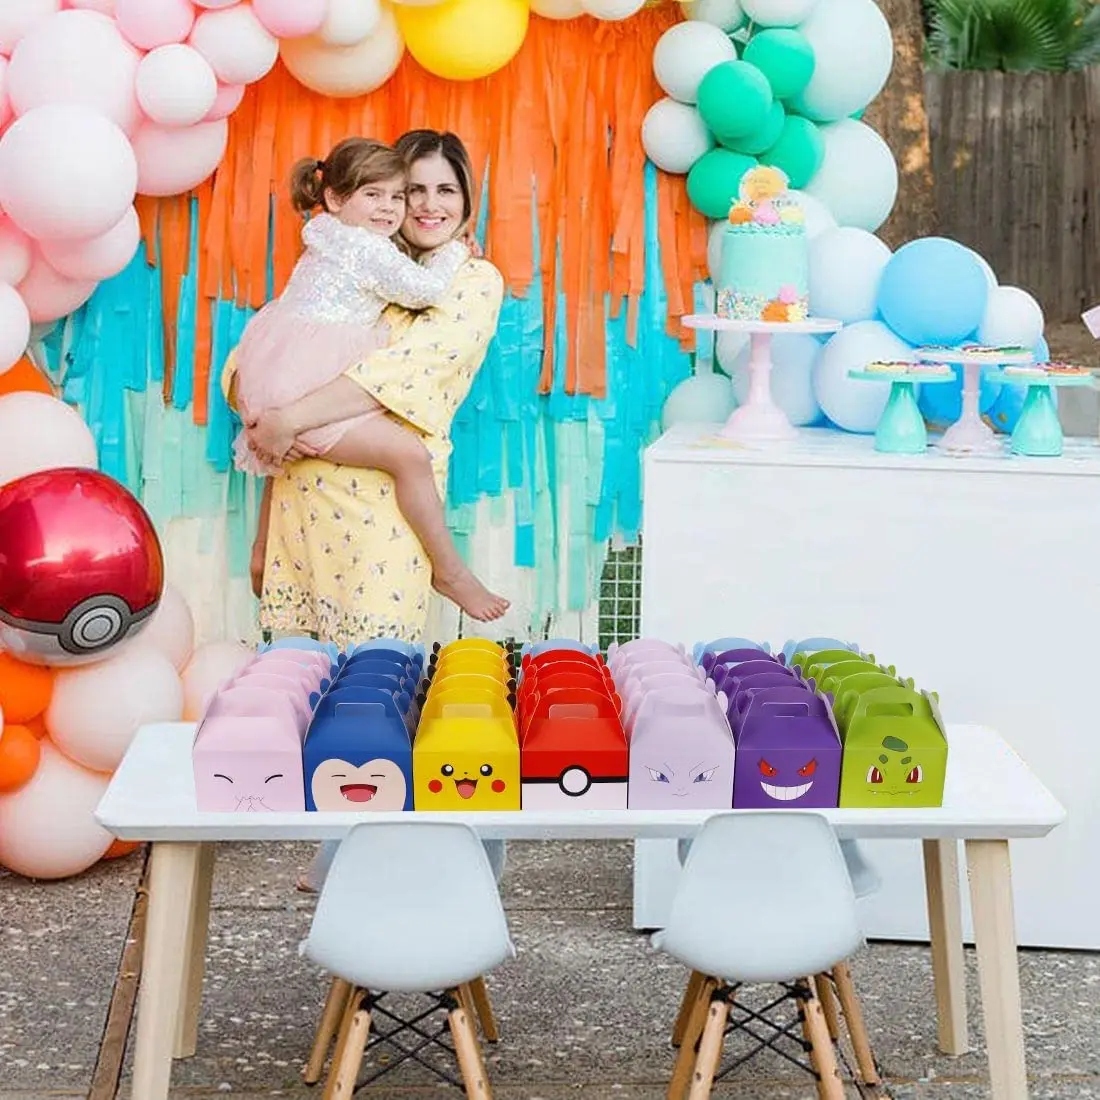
x=970 y=434
x=759 y=419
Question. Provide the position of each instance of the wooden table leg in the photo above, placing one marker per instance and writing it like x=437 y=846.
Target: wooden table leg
x=187 y=1030
x=173 y=875
x=941 y=885
x=998 y=967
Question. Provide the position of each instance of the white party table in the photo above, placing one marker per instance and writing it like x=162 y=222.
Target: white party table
x=990 y=796
x=975 y=575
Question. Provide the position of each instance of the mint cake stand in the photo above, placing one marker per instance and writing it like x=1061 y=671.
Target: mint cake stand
x=1038 y=432
x=970 y=434
x=901 y=429
x=759 y=419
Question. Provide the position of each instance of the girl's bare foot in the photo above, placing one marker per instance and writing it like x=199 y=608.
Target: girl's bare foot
x=471 y=595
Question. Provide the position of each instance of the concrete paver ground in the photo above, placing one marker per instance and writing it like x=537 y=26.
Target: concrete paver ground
x=585 y=1011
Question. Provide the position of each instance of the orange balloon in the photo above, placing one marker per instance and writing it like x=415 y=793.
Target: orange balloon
x=122 y=848
x=37 y=726
x=19 y=755
x=25 y=690
x=25 y=377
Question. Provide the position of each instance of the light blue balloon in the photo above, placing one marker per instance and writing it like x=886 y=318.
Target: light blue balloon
x=933 y=291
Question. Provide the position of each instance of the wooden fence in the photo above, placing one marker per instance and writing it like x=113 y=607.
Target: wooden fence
x=1016 y=162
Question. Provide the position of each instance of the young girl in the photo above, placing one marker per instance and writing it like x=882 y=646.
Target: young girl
x=327 y=320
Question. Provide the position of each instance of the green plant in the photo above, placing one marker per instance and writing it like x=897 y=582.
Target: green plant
x=1014 y=35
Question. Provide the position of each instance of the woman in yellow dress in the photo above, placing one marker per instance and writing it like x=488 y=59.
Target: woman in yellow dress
x=339 y=561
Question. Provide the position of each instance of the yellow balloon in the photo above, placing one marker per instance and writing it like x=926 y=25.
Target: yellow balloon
x=464 y=39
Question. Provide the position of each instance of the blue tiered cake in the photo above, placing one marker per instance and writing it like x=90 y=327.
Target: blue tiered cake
x=765 y=264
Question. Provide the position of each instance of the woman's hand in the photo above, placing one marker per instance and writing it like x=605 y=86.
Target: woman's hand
x=271 y=436
x=469 y=239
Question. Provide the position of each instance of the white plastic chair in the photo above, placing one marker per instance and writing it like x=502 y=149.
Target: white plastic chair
x=764 y=898
x=410 y=907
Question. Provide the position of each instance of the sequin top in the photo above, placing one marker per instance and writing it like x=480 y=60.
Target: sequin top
x=349 y=275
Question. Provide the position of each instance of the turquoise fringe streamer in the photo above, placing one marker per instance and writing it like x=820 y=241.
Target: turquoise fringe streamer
x=571 y=464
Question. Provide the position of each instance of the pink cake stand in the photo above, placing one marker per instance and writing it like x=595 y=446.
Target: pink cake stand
x=759 y=419
x=970 y=434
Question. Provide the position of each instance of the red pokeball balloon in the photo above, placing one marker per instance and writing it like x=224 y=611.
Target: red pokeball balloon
x=81 y=567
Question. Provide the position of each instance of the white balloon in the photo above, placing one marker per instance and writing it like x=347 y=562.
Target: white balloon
x=348 y=22
x=210 y=666
x=176 y=85
x=727 y=14
x=238 y=46
x=674 y=136
x=5 y=99
x=794 y=356
x=732 y=351
x=778 y=13
x=852 y=405
x=612 y=10
x=18 y=16
x=41 y=433
x=343 y=71
x=1013 y=318
x=716 y=235
x=15 y=252
x=853 y=53
x=703 y=399
x=171 y=630
x=819 y=218
x=557 y=9
x=98 y=257
x=846 y=266
x=15 y=327
x=685 y=53
x=858 y=179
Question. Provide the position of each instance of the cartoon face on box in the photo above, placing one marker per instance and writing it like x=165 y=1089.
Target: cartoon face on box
x=248 y=765
x=467 y=759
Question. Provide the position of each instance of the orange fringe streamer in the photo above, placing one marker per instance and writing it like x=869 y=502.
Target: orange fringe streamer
x=561 y=123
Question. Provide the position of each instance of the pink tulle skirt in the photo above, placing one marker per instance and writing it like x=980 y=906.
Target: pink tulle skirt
x=281 y=357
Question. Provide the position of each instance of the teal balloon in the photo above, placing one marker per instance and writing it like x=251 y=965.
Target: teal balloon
x=714 y=179
x=798 y=152
x=760 y=141
x=785 y=57
x=734 y=99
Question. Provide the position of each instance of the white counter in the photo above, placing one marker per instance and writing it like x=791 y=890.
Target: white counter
x=980 y=578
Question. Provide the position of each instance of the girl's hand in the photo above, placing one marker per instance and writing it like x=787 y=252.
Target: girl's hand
x=256 y=564
x=271 y=435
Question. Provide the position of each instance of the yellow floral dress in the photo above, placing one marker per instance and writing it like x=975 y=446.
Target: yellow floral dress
x=342 y=563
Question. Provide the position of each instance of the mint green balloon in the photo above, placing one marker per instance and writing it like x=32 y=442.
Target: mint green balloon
x=734 y=99
x=785 y=57
x=760 y=141
x=798 y=152
x=714 y=179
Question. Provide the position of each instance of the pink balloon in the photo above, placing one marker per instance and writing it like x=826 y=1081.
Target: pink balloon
x=97 y=257
x=172 y=161
x=65 y=173
x=49 y=295
x=176 y=86
x=214 y=4
x=226 y=102
x=76 y=57
x=15 y=327
x=291 y=18
x=5 y=99
x=18 y=16
x=237 y=45
x=104 y=7
x=48 y=828
x=152 y=23
x=15 y=252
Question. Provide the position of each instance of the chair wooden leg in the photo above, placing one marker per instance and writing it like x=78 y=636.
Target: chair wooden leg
x=470 y=1062
x=693 y=1029
x=484 y=1009
x=349 y=1054
x=342 y=1039
x=823 y=1057
x=710 y=1050
x=824 y=989
x=336 y=1004
x=853 y=1020
x=695 y=983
